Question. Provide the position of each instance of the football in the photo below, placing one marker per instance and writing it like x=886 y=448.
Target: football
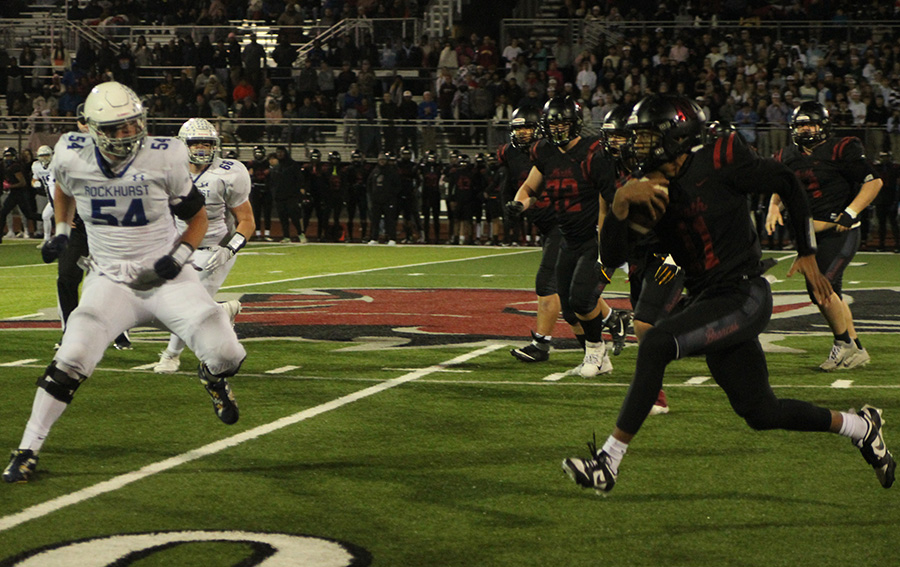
x=640 y=218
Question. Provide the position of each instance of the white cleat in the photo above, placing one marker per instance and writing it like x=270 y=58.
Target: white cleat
x=232 y=308
x=168 y=363
x=840 y=351
x=859 y=357
x=596 y=360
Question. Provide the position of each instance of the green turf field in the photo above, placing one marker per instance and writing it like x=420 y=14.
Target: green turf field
x=382 y=417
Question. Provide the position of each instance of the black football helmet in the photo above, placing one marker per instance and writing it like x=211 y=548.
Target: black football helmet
x=615 y=131
x=334 y=157
x=431 y=156
x=810 y=113
x=356 y=156
x=259 y=152
x=10 y=153
x=405 y=153
x=662 y=128
x=561 y=110
x=315 y=155
x=719 y=129
x=524 y=127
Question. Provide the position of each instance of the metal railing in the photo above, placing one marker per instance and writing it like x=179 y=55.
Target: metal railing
x=346 y=134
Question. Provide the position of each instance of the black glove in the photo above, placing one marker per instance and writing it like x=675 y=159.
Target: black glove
x=515 y=208
x=52 y=249
x=604 y=273
x=167 y=268
x=665 y=273
x=844 y=218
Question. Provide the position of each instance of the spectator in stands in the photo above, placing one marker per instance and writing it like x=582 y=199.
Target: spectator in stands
x=427 y=115
x=877 y=115
x=745 y=120
x=345 y=78
x=857 y=107
x=253 y=59
x=448 y=58
x=778 y=115
x=388 y=56
x=408 y=113
x=369 y=84
x=308 y=112
x=326 y=79
x=284 y=56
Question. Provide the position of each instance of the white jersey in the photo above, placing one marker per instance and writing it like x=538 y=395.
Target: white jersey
x=127 y=217
x=225 y=184
x=45 y=176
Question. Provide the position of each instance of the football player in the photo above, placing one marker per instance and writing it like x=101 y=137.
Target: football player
x=431 y=171
x=356 y=175
x=225 y=185
x=260 y=196
x=655 y=281
x=573 y=172
x=128 y=190
x=840 y=183
x=698 y=197
x=42 y=179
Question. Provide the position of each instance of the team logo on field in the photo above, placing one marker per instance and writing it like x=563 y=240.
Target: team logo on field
x=418 y=317
x=425 y=317
x=266 y=549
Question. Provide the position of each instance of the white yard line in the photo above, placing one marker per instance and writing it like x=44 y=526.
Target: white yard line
x=113 y=484
x=401 y=267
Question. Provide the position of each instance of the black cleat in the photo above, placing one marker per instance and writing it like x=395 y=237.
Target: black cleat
x=123 y=342
x=593 y=473
x=224 y=404
x=873 y=448
x=618 y=329
x=532 y=352
x=21 y=466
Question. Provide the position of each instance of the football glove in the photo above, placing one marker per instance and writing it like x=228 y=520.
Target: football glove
x=666 y=271
x=515 y=208
x=604 y=273
x=845 y=218
x=52 y=249
x=166 y=268
x=222 y=254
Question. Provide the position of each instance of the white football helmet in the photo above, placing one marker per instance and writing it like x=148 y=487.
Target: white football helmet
x=45 y=155
x=200 y=130
x=116 y=120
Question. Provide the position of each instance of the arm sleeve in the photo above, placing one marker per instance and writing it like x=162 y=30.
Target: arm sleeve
x=613 y=241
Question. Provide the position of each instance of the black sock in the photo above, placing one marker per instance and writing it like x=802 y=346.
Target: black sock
x=844 y=337
x=581 y=340
x=858 y=344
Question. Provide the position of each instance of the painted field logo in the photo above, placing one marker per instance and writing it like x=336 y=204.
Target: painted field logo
x=267 y=550
x=419 y=317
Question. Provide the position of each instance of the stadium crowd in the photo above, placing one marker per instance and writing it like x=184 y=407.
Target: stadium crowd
x=751 y=76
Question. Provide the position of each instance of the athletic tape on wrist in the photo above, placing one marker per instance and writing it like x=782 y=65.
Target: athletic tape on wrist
x=63 y=228
x=236 y=242
x=182 y=253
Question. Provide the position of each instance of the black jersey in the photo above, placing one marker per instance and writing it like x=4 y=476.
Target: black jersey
x=831 y=174
x=707 y=226
x=431 y=180
x=574 y=181
x=464 y=184
x=518 y=165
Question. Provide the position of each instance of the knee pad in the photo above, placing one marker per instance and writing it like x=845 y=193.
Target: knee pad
x=660 y=344
x=570 y=317
x=59 y=384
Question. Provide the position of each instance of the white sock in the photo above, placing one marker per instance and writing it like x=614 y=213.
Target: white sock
x=44 y=413
x=616 y=451
x=854 y=426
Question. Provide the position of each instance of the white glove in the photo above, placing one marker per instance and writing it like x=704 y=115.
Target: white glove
x=220 y=256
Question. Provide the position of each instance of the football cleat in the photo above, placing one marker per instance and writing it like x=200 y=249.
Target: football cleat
x=21 y=466
x=661 y=405
x=618 y=329
x=839 y=352
x=859 y=357
x=595 y=472
x=532 y=352
x=168 y=363
x=123 y=342
x=232 y=308
x=873 y=448
x=224 y=404
x=596 y=361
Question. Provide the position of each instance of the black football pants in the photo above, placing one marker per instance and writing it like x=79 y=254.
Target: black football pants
x=724 y=324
